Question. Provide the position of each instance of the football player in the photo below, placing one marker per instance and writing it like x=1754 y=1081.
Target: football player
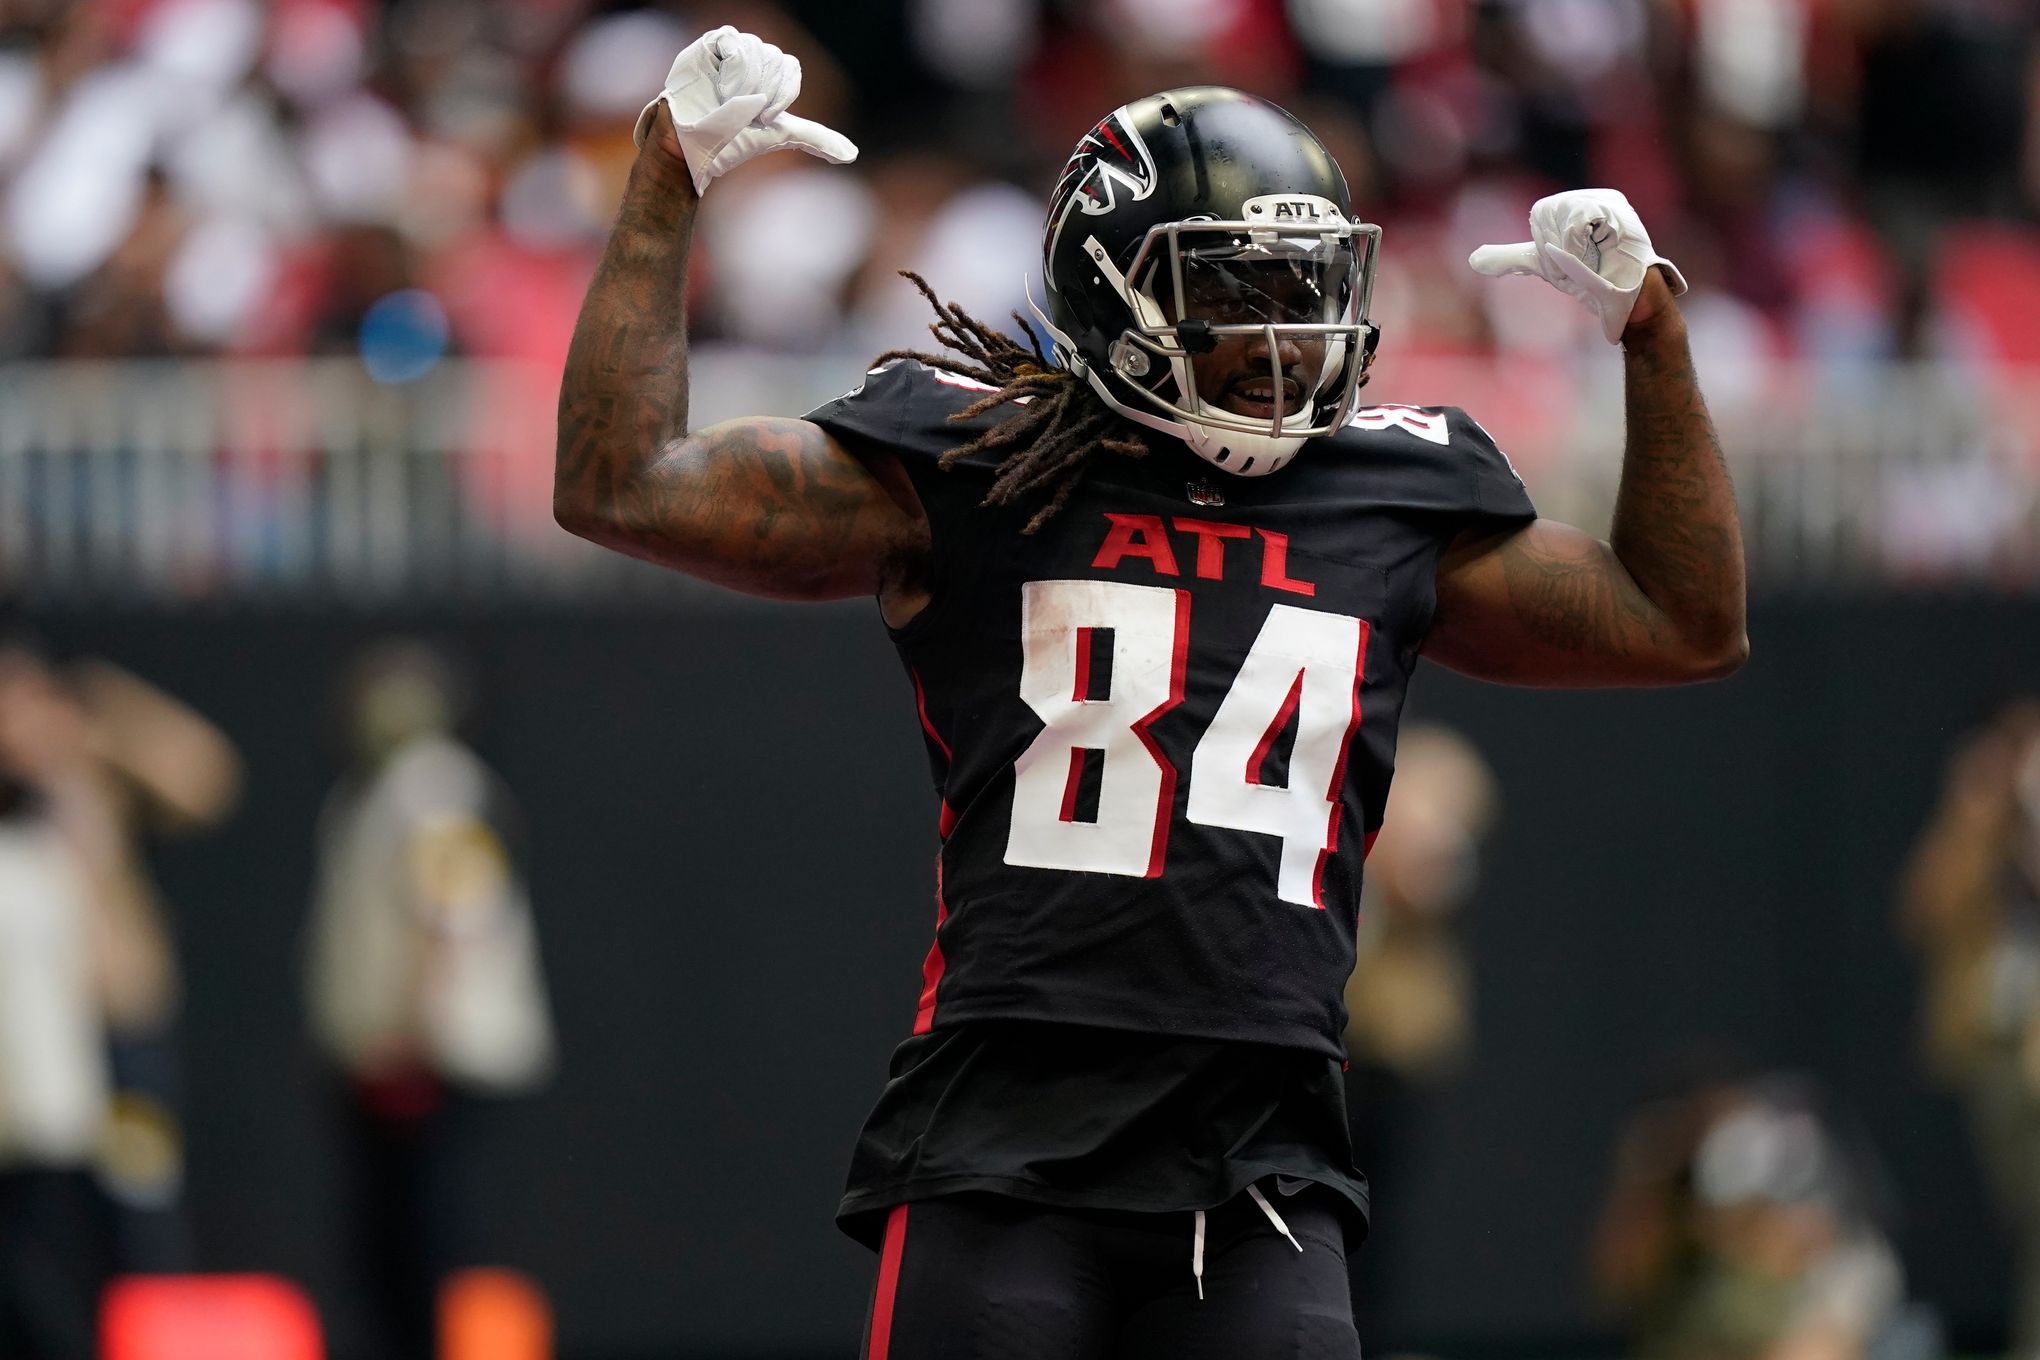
x=1158 y=592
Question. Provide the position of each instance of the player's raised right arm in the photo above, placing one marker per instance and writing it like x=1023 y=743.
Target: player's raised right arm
x=765 y=505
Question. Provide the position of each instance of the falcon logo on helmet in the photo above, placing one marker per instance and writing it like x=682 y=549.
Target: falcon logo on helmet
x=1205 y=276
x=1110 y=160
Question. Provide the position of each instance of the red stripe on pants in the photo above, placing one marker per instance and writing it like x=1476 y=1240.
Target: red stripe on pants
x=888 y=1282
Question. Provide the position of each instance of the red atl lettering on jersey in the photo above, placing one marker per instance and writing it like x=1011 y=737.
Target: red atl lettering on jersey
x=1144 y=536
x=1137 y=536
x=1211 y=537
x=1275 y=564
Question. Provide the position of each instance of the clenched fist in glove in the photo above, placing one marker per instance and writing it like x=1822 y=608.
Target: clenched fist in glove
x=728 y=93
x=1589 y=243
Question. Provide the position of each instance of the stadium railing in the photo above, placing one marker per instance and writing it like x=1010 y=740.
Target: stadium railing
x=171 y=482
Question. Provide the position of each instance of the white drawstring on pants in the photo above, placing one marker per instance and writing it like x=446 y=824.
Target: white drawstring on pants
x=1197 y=1235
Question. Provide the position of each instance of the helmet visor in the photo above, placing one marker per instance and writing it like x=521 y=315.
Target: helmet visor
x=1240 y=273
x=1262 y=327
x=1251 y=287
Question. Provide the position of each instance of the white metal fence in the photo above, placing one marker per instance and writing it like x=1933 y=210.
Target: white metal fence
x=188 y=482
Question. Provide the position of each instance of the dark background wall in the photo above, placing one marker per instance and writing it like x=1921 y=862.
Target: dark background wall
x=731 y=831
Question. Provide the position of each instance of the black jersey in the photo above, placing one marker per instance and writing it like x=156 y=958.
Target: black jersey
x=1163 y=726
x=1073 y=1117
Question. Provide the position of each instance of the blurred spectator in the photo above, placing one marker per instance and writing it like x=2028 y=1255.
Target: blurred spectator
x=156 y=769
x=54 y=1251
x=1945 y=97
x=1971 y=904
x=1740 y=1226
x=424 y=976
x=1409 y=1001
x=117 y=764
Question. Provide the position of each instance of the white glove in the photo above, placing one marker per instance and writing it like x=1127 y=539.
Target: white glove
x=1589 y=243
x=728 y=93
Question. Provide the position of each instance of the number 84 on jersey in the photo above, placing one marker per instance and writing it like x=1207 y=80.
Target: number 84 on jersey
x=1305 y=667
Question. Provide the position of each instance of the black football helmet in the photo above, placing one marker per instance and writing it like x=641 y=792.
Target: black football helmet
x=1194 y=215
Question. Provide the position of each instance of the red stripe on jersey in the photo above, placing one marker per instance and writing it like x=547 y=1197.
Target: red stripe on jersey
x=1072 y=784
x=887 y=1293
x=1317 y=878
x=1282 y=717
x=947 y=823
x=1367 y=846
x=932 y=966
x=921 y=707
x=1083 y=687
x=1166 y=800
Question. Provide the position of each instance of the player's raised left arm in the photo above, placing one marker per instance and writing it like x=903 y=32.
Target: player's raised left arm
x=1662 y=600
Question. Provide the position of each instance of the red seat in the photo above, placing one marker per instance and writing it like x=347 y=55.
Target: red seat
x=208 y=1317
x=1988 y=273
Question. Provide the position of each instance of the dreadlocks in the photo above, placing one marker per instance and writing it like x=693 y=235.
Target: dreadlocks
x=1047 y=441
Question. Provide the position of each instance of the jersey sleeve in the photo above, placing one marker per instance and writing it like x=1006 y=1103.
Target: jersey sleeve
x=1494 y=495
x=908 y=409
x=904 y=409
x=873 y=414
x=1438 y=462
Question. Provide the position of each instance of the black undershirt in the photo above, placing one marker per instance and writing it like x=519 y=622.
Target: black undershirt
x=1076 y=1117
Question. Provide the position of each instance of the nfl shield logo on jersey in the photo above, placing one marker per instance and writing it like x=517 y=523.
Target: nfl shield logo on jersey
x=1202 y=492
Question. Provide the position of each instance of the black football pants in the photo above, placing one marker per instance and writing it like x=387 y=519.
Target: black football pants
x=984 y=1277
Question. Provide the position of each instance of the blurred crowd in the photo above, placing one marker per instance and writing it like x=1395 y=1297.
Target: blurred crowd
x=422 y=979
x=1840 y=179
x=1844 y=183
x=1745 y=1217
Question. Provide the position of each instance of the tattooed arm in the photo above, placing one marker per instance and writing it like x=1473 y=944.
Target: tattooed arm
x=770 y=506
x=1661 y=602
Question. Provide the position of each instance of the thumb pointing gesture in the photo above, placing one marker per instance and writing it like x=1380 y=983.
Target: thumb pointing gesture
x=728 y=92
x=815 y=139
x=1496 y=261
x=1588 y=244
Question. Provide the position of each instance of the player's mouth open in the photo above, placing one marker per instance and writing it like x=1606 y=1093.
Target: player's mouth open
x=1255 y=397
